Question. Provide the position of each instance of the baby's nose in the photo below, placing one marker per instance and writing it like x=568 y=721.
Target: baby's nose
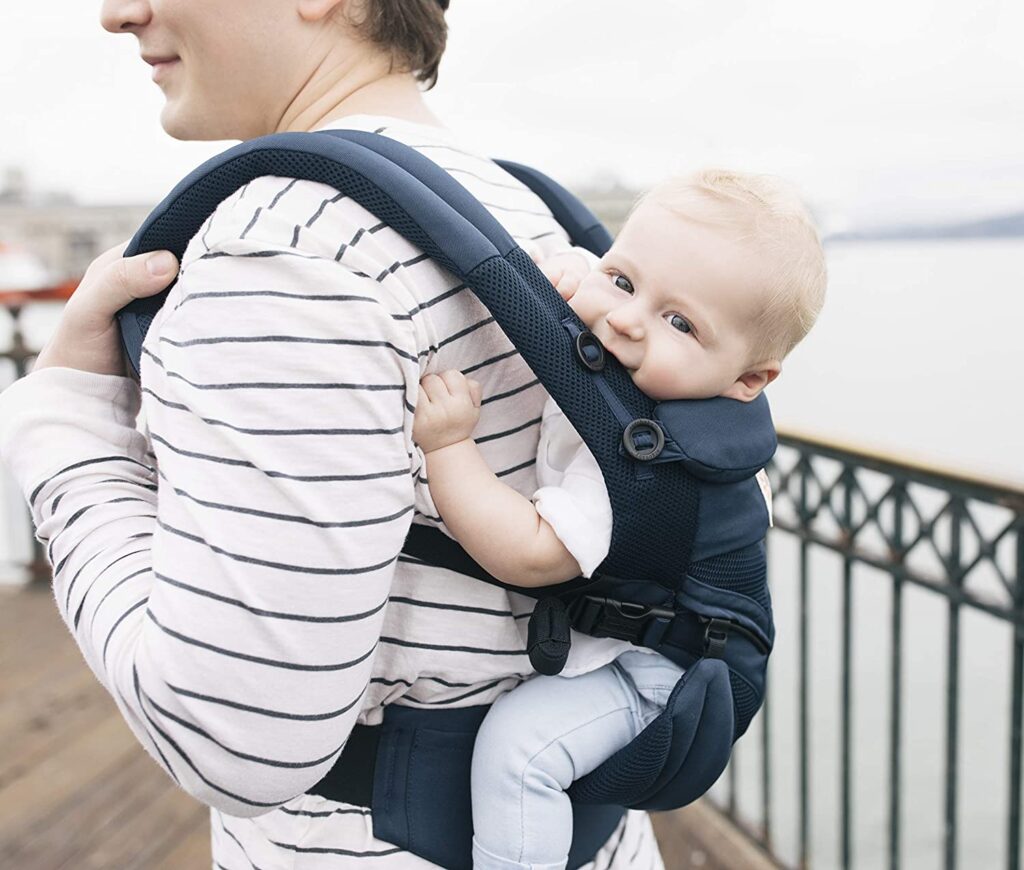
x=625 y=323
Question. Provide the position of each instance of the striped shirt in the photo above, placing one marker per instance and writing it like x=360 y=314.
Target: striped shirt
x=228 y=559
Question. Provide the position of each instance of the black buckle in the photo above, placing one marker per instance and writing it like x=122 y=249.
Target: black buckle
x=590 y=351
x=643 y=439
x=623 y=620
x=716 y=635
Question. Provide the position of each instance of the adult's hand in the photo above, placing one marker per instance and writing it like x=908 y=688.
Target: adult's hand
x=87 y=337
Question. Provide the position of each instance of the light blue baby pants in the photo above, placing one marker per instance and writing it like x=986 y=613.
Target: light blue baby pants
x=540 y=737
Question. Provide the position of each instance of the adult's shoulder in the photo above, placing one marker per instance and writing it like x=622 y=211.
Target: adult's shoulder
x=305 y=216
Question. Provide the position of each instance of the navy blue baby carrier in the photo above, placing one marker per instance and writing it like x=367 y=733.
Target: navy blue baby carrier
x=685 y=573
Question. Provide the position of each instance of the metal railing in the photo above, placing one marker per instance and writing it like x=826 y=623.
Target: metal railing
x=21 y=357
x=906 y=527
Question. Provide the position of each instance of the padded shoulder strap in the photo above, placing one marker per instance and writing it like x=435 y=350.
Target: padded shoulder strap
x=654 y=507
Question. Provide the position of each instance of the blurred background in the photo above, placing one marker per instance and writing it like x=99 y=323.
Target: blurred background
x=893 y=730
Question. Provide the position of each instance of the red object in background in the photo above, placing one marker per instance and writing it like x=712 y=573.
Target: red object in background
x=59 y=292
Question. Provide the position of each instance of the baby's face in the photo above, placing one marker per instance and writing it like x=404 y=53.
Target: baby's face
x=675 y=301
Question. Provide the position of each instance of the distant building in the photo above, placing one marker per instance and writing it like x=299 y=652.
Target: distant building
x=67 y=236
x=63 y=234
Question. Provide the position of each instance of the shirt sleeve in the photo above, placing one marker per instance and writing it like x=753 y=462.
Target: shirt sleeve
x=576 y=506
x=230 y=597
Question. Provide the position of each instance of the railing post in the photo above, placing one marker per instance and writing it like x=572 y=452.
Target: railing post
x=1016 y=703
x=896 y=679
x=847 y=651
x=21 y=355
x=956 y=511
x=804 y=676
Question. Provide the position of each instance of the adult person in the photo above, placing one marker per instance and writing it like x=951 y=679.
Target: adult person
x=232 y=575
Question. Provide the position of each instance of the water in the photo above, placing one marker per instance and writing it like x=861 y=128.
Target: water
x=918 y=353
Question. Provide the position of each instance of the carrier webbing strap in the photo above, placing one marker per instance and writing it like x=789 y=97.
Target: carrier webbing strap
x=431 y=545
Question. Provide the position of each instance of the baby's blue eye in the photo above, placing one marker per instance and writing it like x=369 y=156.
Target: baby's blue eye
x=622 y=282
x=679 y=322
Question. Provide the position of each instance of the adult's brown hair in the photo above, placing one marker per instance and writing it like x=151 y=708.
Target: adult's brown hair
x=414 y=31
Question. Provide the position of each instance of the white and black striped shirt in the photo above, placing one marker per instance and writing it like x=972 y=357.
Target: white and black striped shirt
x=229 y=562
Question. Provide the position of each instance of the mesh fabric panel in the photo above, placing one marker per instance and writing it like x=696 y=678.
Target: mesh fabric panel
x=627 y=776
x=654 y=519
x=745 y=700
x=744 y=571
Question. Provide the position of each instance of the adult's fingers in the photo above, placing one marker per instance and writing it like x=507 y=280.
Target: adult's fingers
x=113 y=281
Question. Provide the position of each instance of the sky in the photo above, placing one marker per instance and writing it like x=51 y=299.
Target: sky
x=881 y=111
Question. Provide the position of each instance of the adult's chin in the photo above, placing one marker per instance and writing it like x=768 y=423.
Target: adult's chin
x=184 y=122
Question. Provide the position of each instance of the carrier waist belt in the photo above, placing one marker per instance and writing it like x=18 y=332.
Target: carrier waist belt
x=413 y=772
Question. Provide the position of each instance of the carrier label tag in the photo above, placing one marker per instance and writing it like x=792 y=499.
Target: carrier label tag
x=766 y=493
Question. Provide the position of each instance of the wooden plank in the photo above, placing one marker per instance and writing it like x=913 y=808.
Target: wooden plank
x=52 y=716
x=68 y=770
x=192 y=851
x=698 y=836
x=79 y=825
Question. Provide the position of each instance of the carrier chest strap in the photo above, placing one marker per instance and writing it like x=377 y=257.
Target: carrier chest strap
x=681 y=635
x=670 y=632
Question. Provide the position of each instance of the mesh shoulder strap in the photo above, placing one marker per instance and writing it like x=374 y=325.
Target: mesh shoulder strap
x=654 y=506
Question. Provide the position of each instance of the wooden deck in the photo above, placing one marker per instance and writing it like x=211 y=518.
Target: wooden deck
x=77 y=791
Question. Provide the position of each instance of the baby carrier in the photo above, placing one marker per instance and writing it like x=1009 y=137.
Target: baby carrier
x=685 y=573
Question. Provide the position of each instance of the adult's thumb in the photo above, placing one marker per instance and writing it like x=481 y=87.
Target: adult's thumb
x=161 y=264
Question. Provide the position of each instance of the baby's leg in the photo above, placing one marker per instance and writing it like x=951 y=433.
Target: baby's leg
x=534 y=742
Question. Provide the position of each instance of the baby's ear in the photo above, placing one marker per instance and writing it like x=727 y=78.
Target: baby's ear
x=749 y=385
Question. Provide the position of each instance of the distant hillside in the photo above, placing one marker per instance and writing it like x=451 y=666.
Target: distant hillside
x=1005 y=227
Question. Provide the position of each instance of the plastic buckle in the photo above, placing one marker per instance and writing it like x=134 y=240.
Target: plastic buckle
x=623 y=620
x=590 y=350
x=716 y=635
x=650 y=446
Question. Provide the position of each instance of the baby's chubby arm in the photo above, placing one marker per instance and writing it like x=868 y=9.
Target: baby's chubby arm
x=497 y=526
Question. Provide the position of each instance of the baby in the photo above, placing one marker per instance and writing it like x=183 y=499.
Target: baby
x=712 y=281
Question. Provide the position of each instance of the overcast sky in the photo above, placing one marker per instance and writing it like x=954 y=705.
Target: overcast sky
x=880 y=110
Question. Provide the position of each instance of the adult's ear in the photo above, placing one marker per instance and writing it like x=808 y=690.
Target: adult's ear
x=749 y=385
x=317 y=10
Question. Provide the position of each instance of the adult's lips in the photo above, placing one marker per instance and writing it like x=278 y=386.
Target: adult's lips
x=160 y=64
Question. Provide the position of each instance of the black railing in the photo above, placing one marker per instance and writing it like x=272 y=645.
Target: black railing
x=894 y=526
x=18 y=358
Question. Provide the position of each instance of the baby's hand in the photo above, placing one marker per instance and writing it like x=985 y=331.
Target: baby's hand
x=565 y=270
x=447 y=410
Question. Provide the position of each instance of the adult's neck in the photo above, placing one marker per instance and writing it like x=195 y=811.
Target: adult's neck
x=361 y=90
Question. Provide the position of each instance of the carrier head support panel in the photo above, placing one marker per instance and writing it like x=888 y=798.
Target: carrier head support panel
x=685 y=574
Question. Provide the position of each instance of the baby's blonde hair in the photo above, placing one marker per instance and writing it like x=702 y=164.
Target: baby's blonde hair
x=769 y=214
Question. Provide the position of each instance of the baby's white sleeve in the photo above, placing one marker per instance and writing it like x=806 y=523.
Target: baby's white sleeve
x=579 y=511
